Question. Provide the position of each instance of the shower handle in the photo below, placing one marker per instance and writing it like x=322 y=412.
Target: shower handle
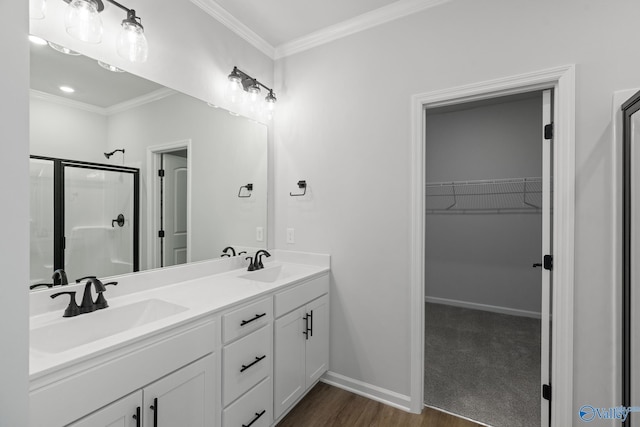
x=119 y=220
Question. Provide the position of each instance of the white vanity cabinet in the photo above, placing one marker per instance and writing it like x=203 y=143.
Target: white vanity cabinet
x=184 y=398
x=301 y=341
x=247 y=365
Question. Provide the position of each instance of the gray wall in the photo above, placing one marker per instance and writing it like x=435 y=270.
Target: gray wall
x=344 y=124
x=484 y=258
x=14 y=190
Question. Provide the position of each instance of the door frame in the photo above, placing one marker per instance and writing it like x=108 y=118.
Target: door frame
x=562 y=81
x=153 y=207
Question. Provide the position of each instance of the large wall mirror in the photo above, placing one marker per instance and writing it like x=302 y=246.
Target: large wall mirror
x=631 y=260
x=213 y=192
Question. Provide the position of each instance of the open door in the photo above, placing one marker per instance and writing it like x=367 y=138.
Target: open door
x=547 y=256
x=174 y=209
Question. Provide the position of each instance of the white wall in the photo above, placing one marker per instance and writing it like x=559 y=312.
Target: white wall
x=344 y=125
x=485 y=258
x=14 y=189
x=57 y=130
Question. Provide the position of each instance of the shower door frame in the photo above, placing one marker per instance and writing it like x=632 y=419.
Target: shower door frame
x=59 y=209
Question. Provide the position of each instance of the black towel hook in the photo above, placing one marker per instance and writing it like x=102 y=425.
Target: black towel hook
x=301 y=184
x=249 y=188
x=119 y=220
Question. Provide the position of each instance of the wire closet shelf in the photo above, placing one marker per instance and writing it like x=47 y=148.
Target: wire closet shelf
x=511 y=195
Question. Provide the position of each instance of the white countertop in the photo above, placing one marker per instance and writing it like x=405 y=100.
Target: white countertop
x=202 y=296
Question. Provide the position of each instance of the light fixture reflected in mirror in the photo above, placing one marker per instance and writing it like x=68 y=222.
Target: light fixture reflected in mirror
x=63 y=49
x=83 y=22
x=110 y=67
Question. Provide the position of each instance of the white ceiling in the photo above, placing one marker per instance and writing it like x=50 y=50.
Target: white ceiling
x=280 y=28
x=281 y=21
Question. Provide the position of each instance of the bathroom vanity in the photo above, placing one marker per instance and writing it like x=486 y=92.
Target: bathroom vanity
x=221 y=347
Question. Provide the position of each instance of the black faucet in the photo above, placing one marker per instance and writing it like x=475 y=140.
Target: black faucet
x=88 y=305
x=59 y=277
x=100 y=302
x=251 y=266
x=257 y=262
x=72 y=309
x=224 y=252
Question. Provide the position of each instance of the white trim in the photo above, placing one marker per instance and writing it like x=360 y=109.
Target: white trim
x=156 y=95
x=393 y=11
x=153 y=190
x=367 y=390
x=66 y=102
x=483 y=307
x=221 y=15
x=562 y=80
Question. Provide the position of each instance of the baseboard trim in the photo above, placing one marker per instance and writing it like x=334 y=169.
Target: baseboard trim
x=484 y=307
x=370 y=391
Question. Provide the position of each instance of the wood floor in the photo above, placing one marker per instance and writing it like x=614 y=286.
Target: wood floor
x=326 y=406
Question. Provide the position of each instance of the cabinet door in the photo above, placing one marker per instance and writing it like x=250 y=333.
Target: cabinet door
x=317 y=351
x=289 y=369
x=185 y=398
x=122 y=413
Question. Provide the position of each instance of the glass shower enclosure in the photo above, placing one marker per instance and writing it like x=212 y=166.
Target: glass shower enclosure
x=84 y=218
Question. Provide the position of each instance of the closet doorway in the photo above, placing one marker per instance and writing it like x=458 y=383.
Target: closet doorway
x=487 y=280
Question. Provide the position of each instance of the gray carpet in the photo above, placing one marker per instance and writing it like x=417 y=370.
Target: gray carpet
x=484 y=366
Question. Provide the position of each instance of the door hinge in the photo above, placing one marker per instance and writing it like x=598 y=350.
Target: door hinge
x=546 y=392
x=548 y=131
x=161 y=233
x=160 y=173
x=548 y=262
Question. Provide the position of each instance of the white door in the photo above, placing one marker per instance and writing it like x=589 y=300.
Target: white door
x=174 y=207
x=184 y=398
x=547 y=255
x=317 y=342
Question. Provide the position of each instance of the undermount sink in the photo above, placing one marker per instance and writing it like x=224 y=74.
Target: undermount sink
x=274 y=273
x=68 y=333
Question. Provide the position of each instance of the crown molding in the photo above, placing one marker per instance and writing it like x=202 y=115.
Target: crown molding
x=359 y=23
x=61 y=100
x=156 y=95
x=228 y=20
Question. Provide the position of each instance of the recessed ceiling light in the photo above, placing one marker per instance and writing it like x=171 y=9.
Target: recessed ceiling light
x=63 y=49
x=37 y=40
x=67 y=89
x=110 y=67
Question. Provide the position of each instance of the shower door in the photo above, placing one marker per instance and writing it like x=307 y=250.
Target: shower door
x=100 y=226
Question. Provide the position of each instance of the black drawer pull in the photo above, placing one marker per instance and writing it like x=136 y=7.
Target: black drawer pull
x=245 y=367
x=244 y=322
x=258 y=415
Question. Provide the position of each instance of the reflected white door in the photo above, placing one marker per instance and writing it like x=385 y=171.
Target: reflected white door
x=547 y=253
x=174 y=209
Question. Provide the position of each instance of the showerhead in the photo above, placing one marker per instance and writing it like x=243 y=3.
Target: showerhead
x=108 y=155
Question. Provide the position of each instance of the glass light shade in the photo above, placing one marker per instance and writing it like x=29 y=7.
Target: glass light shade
x=271 y=104
x=83 y=21
x=131 y=43
x=37 y=9
x=234 y=90
x=253 y=92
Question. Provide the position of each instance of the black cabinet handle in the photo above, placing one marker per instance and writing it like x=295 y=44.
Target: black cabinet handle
x=154 y=408
x=245 y=367
x=258 y=415
x=308 y=324
x=136 y=417
x=311 y=322
x=244 y=322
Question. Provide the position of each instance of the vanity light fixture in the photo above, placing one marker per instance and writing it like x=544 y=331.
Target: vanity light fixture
x=83 y=22
x=240 y=83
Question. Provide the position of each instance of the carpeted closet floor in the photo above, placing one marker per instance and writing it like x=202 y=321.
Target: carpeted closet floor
x=484 y=366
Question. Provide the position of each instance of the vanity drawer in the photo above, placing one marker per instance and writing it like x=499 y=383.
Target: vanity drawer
x=301 y=294
x=246 y=362
x=255 y=405
x=246 y=319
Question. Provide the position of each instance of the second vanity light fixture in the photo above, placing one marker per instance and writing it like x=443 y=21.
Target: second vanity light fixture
x=82 y=21
x=242 y=85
